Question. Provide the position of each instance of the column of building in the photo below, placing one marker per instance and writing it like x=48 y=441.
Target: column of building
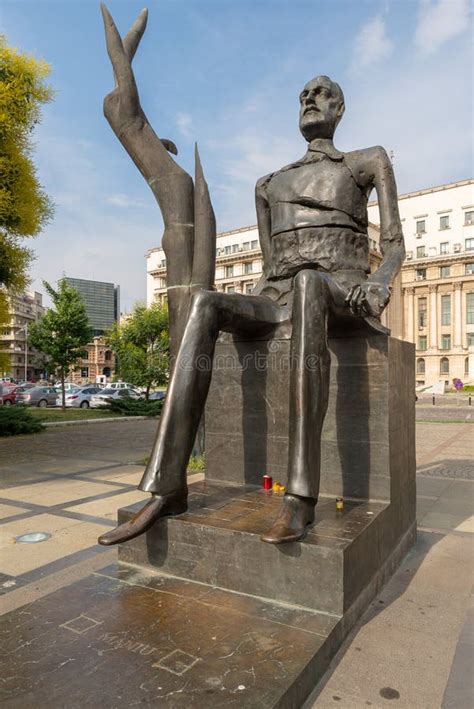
x=410 y=304
x=433 y=317
x=457 y=315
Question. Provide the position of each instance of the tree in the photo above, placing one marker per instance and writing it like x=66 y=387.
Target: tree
x=64 y=331
x=141 y=346
x=24 y=206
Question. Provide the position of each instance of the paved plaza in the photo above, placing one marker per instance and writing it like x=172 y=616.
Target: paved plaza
x=414 y=646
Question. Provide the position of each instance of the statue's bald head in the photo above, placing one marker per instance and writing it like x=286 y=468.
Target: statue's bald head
x=322 y=107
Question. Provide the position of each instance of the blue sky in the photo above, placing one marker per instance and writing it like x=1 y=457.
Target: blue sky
x=228 y=73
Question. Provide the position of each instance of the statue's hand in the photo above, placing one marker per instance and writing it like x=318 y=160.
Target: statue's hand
x=368 y=298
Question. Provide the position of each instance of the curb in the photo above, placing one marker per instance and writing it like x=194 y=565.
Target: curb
x=89 y=421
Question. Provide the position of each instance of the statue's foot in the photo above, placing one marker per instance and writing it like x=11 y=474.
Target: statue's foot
x=159 y=506
x=295 y=514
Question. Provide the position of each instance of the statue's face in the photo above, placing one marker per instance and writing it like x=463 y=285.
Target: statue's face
x=321 y=108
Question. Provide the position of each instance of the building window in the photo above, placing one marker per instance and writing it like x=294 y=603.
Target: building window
x=444 y=222
x=235 y=248
x=422 y=342
x=469 y=269
x=470 y=339
x=445 y=310
x=229 y=271
x=248 y=268
x=86 y=354
x=230 y=289
x=420 y=366
x=466 y=367
x=227 y=250
x=470 y=308
x=249 y=287
x=246 y=246
x=444 y=365
x=163 y=263
x=469 y=244
x=444 y=247
x=254 y=244
x=420 y=252
x=445 y=271
x=84 y=372
x=422 y=312
x=445 y=342
x=108 y=355
x=421 y=274
x=468 y=218
x=421 y=226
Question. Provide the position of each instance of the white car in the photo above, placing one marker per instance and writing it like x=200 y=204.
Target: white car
x=80 y=398
x=106 y=396
x=121 y=385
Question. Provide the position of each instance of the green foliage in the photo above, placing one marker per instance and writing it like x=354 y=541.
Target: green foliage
x=64 y=331
x=15 y=420
x=197 y=462
x=24 y=206
x=141 y=346
x=135 y=407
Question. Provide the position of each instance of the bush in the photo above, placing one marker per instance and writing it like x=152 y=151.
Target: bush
x=135 y=407
x=197 y=462
x=15 y=420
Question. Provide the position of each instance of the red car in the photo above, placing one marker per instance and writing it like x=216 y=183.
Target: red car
x=9 y=394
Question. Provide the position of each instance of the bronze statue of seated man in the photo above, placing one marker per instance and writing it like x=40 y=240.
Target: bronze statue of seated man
x=312 y=219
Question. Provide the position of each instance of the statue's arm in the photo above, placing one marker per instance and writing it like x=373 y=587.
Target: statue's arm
x=263 y=219
x=392 y=244
x=372 y=297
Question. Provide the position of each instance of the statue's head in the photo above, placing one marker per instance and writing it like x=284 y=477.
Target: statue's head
x=322 y=107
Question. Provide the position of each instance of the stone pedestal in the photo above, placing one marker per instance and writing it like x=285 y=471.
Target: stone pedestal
x=368 y=457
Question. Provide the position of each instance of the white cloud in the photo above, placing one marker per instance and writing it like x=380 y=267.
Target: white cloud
x=123 y=201
x=372 y=44
x=440 y=21
x=184 y=122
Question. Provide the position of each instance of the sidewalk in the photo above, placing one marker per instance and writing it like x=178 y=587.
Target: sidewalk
x=411 y=648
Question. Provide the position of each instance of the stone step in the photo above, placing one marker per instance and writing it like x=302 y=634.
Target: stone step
x=217 y=542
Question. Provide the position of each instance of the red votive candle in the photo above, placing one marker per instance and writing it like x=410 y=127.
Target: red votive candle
x=267 y=482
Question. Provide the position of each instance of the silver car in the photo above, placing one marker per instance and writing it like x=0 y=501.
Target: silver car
x=37 y=396
x=106 y=395
x=80 y=398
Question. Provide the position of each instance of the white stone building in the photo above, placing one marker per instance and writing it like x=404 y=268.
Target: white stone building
x=438 y=280
x=433 y=300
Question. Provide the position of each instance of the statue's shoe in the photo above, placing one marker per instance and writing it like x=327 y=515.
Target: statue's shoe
x=159 y=506
x=294 y=517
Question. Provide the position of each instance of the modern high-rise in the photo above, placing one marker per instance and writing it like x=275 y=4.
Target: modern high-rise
x=102 y=302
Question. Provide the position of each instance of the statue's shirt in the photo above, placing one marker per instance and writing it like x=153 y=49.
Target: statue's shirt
x=318 y=216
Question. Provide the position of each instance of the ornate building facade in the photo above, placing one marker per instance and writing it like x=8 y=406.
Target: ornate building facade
x=100 y=361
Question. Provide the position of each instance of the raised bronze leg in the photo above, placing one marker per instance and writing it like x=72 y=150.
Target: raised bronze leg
x=309 y=390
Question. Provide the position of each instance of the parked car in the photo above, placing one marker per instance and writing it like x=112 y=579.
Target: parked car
x=9 y=395
x=156 y=395
x=123 y=385
x=108 y=394
x=80 y=397
x=37 y=396
x=68 y=386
